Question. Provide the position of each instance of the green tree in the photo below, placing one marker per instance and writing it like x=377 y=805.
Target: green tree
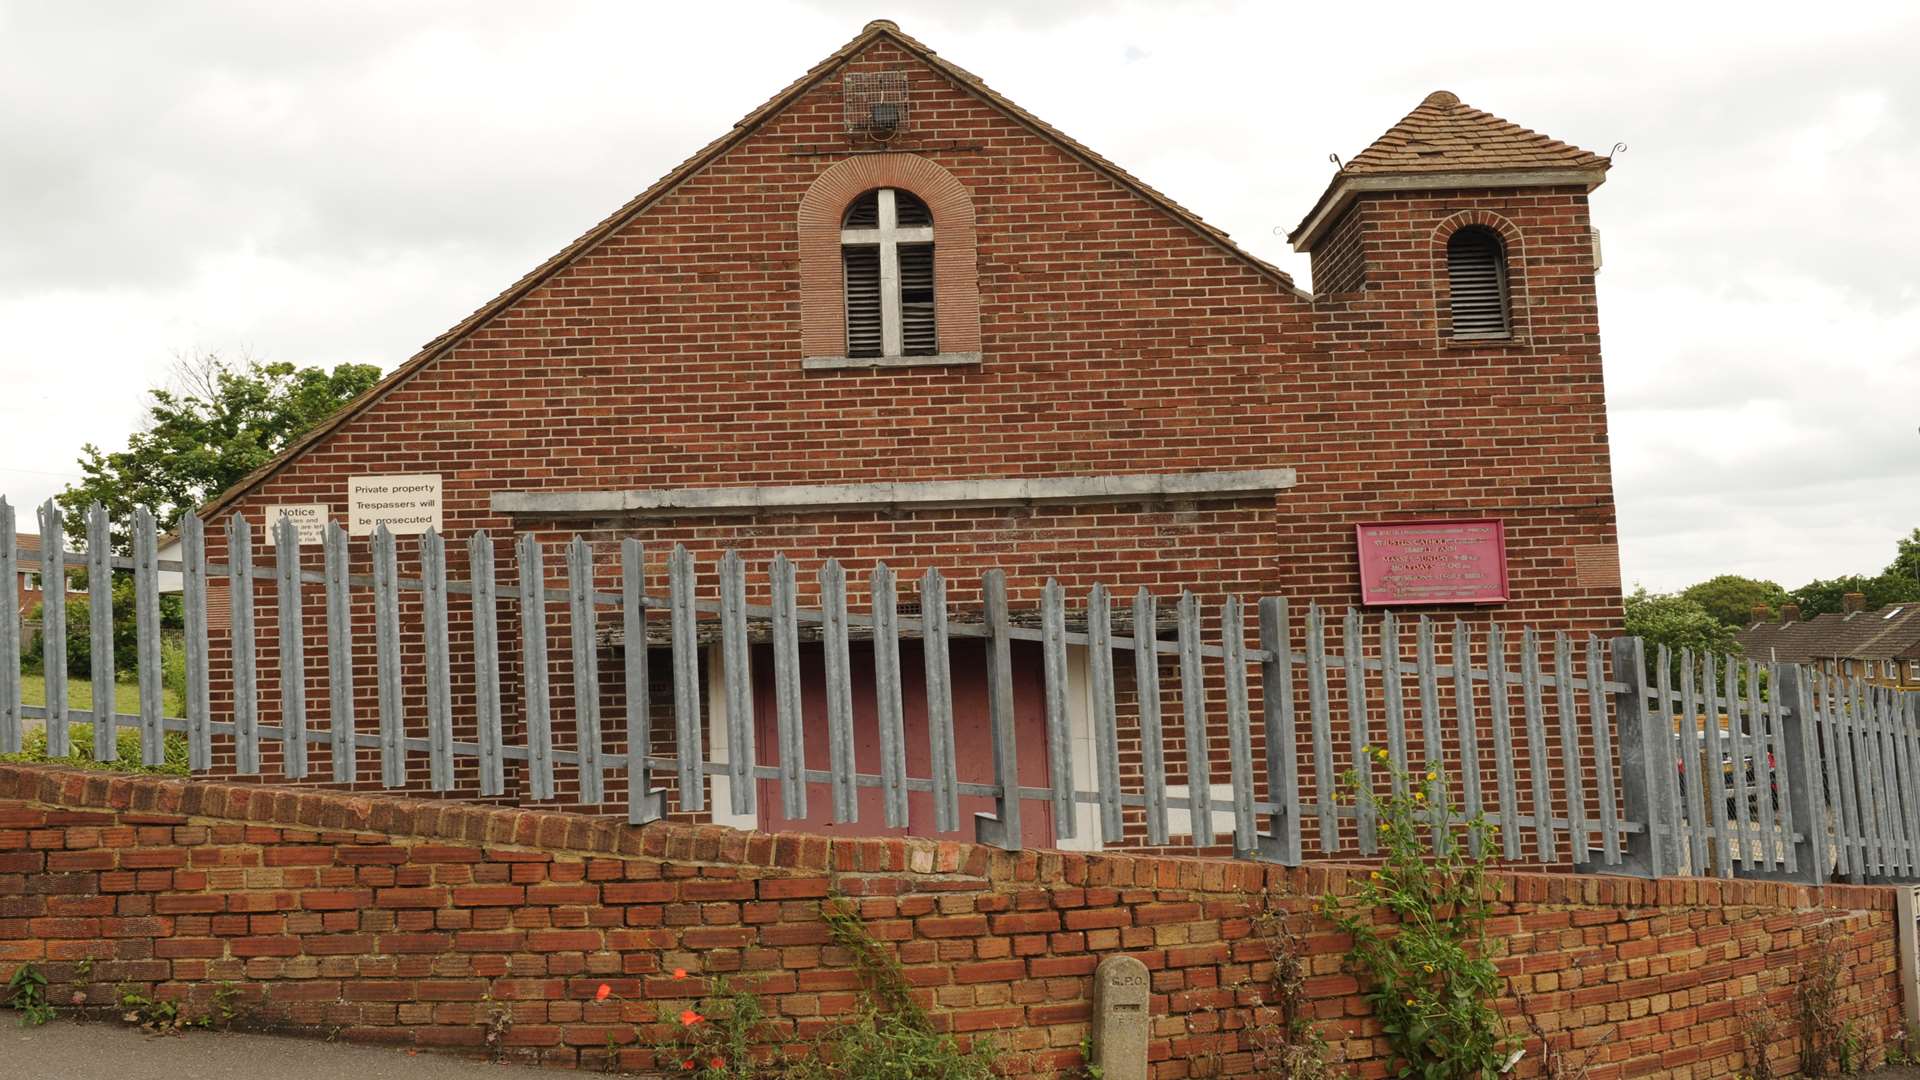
x=1906 y=558
x=1731 y=598
x=1822 y=596
x=217 y=423
x=1678 y=623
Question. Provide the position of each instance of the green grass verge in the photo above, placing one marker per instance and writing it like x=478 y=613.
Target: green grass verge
x=126 y=699
x=126 y=695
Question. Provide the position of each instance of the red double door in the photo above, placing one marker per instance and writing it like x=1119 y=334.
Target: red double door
x=972 y=734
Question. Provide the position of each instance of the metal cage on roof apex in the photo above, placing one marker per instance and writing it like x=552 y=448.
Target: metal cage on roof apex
x=874 y=103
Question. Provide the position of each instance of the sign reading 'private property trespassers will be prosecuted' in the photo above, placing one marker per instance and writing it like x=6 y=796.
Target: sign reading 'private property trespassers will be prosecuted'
x=406 y=505
x=1433 y=562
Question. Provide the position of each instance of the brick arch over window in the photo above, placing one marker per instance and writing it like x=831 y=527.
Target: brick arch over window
x=956 y=273
x=1513 y=248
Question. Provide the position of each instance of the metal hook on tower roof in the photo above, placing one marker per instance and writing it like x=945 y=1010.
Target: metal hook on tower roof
x=1618 y=148
x=1335 y=158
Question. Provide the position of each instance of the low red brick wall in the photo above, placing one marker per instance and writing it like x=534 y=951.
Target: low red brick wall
x=392 y=920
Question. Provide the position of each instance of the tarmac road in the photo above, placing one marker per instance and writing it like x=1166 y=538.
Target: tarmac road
x=67 y=1050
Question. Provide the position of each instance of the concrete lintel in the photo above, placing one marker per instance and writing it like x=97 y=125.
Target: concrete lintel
x=1011 y=491
x=836 y=363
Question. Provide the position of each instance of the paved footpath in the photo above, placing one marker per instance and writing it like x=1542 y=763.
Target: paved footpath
x=66 y=1050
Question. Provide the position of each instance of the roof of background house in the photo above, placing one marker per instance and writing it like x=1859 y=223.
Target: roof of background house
x=1888 y=633
x=1442 y=135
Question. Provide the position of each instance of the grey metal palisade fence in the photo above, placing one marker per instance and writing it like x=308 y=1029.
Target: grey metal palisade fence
x=1808 y=776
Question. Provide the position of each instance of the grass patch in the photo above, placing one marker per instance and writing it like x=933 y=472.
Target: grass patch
x=126 y=695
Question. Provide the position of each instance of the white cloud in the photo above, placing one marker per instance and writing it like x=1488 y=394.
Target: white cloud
x=336 y=182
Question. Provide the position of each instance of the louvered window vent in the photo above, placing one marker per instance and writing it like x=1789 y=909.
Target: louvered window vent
x=886 y=248
x=1477 y=284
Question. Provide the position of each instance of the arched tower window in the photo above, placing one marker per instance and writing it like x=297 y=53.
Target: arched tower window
x=886 y=250
x=1477 y=284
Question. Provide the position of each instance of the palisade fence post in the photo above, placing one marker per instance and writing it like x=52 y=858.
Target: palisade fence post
x=1002 y=827
x=146 y=609
x=437 y=644
x=193 y=577
x=583 y=628
x=487 y=721
x=106 y=726
x=644 y=801
x=782 y=583
x=888 y=696
x=484 y=603
x=1282 y=843
x=1800 y=762
x=386 y=637
x=290 y=620
x=339 y=655
x=735 y=654
x=836 y=663
x=9 y=632
x=1146 y=683
x=1650 y=852
x=533 y=669
x=939 y=675
x=1053 y=658
x=246 y=693
x=53 y=626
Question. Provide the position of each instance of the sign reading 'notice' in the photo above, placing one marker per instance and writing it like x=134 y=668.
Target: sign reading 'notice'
x=309 y=523
x=406 y=505
x=1433 y=562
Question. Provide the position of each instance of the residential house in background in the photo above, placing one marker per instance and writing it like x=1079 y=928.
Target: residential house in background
x=1881 y=646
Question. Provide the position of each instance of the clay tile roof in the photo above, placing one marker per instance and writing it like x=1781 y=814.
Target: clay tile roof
x=1443 y=134
x=1889 y=633
x=26 y=542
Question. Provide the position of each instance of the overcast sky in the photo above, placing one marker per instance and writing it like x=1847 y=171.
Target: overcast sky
x=335 y=182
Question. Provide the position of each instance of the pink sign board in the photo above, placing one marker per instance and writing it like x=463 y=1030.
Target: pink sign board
x=1433 y=562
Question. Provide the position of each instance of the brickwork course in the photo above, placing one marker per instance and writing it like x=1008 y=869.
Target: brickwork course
x=384 y=919
x=1116 y=333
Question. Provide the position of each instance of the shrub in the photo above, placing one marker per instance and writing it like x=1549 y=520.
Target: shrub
x=33 y=748
x=1430 y=982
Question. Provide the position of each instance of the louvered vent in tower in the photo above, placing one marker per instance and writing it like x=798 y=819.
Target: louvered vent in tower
x=862 y=262
x=1477 y=284
x=875 y=104
x=917 y=333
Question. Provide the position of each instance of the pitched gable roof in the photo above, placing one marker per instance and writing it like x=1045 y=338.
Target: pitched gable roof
x=1443 y=136
x=1889 y=633
x=875 y=31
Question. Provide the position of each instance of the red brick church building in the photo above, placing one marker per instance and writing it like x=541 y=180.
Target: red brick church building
x=891 y=315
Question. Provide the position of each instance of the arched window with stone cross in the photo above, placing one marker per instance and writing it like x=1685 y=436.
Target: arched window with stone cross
x=886 y=249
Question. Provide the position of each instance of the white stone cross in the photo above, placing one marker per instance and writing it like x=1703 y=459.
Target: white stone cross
x=889 y=235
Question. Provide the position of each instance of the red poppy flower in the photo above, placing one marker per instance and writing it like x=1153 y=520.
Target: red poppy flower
x=718 y=1063
x=687 y=1064
x=679 y=973
x=601 y=994
x=690 y=1018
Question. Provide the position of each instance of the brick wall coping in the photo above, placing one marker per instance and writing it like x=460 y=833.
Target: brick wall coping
x=170 y=800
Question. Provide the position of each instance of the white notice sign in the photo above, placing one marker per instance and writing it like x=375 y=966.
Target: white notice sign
x=406 y=505
x=310 y=520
